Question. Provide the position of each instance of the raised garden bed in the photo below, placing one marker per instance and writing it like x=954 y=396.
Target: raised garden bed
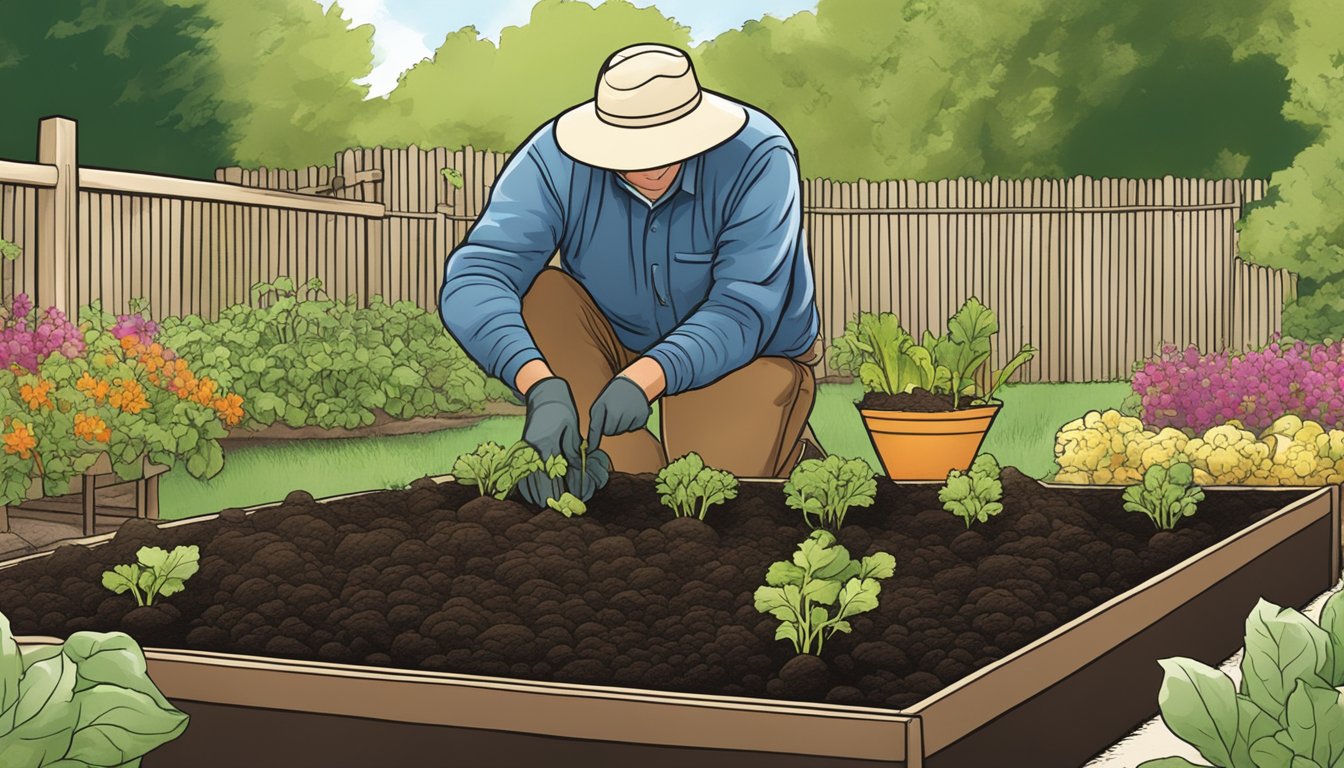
x=403 y=619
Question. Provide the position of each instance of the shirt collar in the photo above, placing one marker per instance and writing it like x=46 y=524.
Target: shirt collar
x=690 y=169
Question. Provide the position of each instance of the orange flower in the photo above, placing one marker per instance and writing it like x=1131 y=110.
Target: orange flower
x=36 y=396
x=230 y=409
x=205 y=391
x=91 y=428
x=94 y=388
x=129 y=396
x=129 y=342
x=20 y=440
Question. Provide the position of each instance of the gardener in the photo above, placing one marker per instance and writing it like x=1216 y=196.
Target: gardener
x=682 y=275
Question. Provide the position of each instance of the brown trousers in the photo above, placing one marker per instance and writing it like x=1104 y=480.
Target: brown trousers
x=749 y=422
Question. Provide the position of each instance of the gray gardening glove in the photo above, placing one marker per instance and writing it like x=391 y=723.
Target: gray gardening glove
x=621 y=407
x=552 y=428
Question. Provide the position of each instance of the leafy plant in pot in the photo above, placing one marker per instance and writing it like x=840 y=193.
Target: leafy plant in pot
x=929 y=402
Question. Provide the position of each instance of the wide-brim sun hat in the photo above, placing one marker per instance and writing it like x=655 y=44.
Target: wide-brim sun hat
x=648 y=111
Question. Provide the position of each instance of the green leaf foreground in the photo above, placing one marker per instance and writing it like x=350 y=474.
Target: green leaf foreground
x=156 y=573
x=84 y=704
x=816 y=592
x=1287 y=711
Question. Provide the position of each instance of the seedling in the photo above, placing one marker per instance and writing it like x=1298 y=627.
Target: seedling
x=496 y=470
x=816 y=594
x=568 y=505
x=689 y=488
x=156 y=573
x=974 y=495
x=827 y=488
x=1167 y=494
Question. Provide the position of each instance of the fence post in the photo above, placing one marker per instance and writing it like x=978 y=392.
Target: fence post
x=57 y=222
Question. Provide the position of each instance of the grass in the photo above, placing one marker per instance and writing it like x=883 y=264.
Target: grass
x=1022 y=436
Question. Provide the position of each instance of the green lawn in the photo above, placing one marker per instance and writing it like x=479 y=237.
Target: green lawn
x=1022 y=436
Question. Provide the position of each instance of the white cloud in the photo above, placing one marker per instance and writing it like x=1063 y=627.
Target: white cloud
x=396 y=45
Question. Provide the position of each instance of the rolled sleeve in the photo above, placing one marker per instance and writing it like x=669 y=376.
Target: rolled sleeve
x=484 y=279
x=750 y=287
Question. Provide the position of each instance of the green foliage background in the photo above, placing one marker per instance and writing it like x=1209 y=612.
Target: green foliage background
x=875 y=89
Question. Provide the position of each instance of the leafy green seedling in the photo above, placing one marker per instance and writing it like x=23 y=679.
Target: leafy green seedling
x=156 y=573
x=568 y=505
x=827 y=488
x=974 y=495
x=689 y=488
x=1166 y=495
x=816 y=593
x=496 y=470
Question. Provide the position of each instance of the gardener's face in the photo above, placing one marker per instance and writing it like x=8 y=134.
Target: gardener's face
x=653 y=182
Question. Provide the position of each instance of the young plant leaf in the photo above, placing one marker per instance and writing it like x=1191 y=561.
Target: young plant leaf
x=1282 y=647
x=1199 y=704
x=1332 y=621
x=1314 y=724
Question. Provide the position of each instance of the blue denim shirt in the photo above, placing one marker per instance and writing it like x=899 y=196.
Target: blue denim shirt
x=705 y=280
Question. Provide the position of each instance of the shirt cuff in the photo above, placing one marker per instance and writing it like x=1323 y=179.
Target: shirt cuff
x=508 y=369
x=676 y=366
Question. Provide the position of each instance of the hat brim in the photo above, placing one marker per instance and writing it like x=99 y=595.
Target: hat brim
x=584 y=136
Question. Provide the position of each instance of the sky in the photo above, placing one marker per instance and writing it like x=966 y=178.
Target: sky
x=407 y=31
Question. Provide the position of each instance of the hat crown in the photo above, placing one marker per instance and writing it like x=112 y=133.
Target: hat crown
x=647 y=84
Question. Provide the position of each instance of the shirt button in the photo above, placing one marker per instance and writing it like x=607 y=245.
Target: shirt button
x=654 y=228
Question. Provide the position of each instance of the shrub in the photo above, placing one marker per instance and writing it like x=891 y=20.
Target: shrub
x=156 y=572
x=974 y=495
x=1189 y=390
x=689 y=488
x=69 y=395
x=304 y=360
x=85 y=703
x=888 y=359
x=816 y=593
x=1167 y=495
x=1287 y=709
x=827 y=488
x=1109 y=447
x=496 y=470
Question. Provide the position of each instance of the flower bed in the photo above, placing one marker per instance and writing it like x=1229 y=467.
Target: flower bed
x=70 y=395
x=1189 y=390
x=302 y=361
x=1111 y=448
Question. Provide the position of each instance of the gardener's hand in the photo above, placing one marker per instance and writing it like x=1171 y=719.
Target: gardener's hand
x=621 y=407
x=587 y=477
x=552 y=428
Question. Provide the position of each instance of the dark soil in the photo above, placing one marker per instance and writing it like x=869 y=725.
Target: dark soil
x=914 y=401
x=627 y=595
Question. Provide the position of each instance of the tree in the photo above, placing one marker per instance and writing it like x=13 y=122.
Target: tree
x=285 y=73
x=1299 y=225
x=102 y=63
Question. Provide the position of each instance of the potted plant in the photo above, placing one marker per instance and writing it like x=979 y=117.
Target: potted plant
x=928 y=403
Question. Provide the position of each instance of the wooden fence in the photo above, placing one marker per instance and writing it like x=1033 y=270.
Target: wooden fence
x=1097 y=273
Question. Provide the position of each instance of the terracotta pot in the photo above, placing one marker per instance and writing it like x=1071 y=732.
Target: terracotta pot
x=926 y=446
